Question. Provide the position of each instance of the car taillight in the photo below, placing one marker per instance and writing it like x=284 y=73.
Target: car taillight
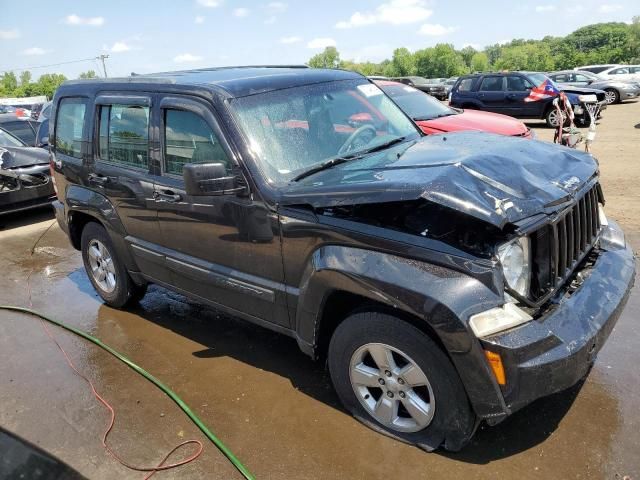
x=52 y=170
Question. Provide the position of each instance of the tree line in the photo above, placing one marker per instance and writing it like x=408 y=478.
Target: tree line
x=593 y=44
x=23 y=85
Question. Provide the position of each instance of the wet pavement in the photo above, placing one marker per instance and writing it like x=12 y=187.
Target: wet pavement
x=266 y=400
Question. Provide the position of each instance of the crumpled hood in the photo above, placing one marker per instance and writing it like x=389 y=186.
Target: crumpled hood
x=494 y=178
x=23 y=157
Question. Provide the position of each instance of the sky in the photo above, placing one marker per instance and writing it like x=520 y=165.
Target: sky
x=149 y=36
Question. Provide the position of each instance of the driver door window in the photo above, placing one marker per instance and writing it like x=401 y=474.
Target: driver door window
x=189 y=139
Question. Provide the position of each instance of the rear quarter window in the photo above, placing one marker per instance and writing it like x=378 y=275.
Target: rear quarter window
x=69 y=126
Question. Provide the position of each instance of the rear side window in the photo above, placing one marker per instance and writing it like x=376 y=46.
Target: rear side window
x=516 y=83
x=634 y=69
x=561 y=77
x=491 y=84
x=124 y=135
x=69 y=125
x=189 y=139
x=619 y=71
x=465 y=85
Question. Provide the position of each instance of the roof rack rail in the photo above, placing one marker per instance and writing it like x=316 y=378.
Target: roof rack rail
x=208 y=69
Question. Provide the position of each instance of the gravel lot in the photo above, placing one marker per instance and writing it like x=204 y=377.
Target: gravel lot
x=268 y=402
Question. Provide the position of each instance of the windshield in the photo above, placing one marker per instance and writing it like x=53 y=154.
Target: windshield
x=540 y=78
x=8 y=140
x=295 y=129
x=416 y=104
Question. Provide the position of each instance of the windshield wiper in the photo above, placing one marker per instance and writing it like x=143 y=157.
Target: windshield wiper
x=323 y=166
x=433 y=117
x=346 y=158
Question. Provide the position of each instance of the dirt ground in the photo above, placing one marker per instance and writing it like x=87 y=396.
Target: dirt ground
x=268 y=402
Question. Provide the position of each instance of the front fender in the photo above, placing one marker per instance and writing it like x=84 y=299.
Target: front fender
x=442 y=297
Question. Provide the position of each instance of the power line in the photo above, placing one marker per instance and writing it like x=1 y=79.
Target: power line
x=47 y=66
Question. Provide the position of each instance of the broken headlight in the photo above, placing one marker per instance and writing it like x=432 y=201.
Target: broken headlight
x=515 y=258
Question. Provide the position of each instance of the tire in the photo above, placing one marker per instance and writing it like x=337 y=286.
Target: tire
x=449 y=420
x=105 y=270
x=551 y=118
x=612 y=96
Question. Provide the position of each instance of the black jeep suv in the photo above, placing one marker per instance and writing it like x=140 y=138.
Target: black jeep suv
x=445 y=279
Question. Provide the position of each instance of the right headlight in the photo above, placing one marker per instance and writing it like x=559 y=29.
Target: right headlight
x=515 y=258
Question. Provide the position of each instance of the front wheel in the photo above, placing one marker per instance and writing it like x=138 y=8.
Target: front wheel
x=553 y=118
x=396 y=380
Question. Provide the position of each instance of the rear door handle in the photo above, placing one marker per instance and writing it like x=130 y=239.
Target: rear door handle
x=166 y=196
x=99 y=180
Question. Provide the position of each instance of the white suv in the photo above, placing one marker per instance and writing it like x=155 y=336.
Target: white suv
x=622 y=72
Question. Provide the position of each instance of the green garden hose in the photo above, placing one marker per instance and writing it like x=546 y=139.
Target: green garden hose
x=170 y=393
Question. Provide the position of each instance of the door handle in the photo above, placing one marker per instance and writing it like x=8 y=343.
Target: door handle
x=99 y=180
x=166 y=196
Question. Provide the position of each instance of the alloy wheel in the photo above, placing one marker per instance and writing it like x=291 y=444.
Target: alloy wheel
x=391 y=387
x=610 y=97
x=102 y=268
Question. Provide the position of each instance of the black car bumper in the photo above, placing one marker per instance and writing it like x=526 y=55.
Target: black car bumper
x=554 y=352
x=25 y=195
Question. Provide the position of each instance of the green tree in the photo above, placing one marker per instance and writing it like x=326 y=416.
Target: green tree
x=9 y=82
x=88 y=74
x=467 y=54
x=47 y=84
x=526 y=57
x=25 y=78
x=402 y=63
x=479 y=62
x=441 y=61
x=329 y=58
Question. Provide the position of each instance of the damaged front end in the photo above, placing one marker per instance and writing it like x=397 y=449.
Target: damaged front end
x=532 y=214
x=23 y=187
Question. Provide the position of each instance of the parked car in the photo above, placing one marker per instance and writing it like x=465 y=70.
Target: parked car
x=35 y=110
x=445 y=279
x=433 y=116
x=448 y=85
x=25 y=130
x=7 y=109
x=437 y=90
x=622 y=72
x=596 y=68
x=25 y=180
x=616 y=90
x=505 y=93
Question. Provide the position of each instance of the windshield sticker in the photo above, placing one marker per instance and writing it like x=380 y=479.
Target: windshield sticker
x=369 y=90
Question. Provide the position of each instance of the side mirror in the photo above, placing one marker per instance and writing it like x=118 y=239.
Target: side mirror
x=209 y=179
x=44 y=142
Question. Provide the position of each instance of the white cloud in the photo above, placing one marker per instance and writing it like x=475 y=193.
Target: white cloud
x=241 y=12
x=436 y=29
x=199 y=19
x=277 y=6
x=9 y=34
x=609 y=8
x=321 y=43
x=34 y=51
x=395 y=12
x=119 y=47
x=74 y=19
x=545 y=8
x=210 y=3
x=289 y=40
x=270 y=20
x=187 y=58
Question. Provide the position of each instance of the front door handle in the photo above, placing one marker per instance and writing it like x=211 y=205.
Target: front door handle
x=99 y=180
x=166 y=196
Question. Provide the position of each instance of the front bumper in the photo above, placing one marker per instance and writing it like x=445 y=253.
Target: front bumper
x=555 y=351
x=25 y=196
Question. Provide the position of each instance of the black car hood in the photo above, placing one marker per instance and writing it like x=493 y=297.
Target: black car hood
x=578 y=90
x=23 y=157
x=494 y=178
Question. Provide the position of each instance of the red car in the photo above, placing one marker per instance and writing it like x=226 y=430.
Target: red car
x=432 y=116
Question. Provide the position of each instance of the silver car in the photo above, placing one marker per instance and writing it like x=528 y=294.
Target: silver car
x=616 y=90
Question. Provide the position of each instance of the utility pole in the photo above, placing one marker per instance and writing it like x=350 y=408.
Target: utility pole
x=102 y=58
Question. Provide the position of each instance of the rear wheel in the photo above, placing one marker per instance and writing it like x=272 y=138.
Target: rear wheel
x=396 y=380
x=612 y=96
x=106 y=272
